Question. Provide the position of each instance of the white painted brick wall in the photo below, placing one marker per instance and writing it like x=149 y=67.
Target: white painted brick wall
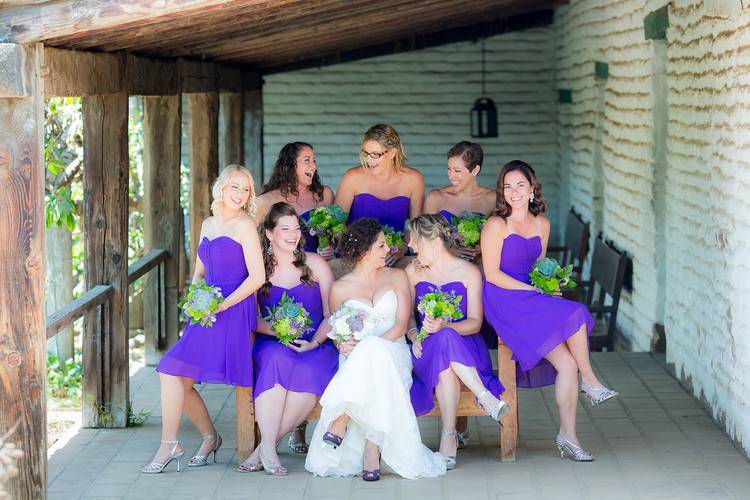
x=427 y=96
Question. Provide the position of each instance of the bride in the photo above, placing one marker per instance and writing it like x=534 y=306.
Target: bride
x=366 y=407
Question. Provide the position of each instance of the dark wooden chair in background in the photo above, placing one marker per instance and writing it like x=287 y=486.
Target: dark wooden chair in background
x=575 y=246
x=607 y=278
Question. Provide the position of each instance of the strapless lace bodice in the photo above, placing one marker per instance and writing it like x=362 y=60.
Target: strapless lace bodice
x=382 y=313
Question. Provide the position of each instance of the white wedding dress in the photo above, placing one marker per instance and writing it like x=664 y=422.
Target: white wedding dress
x=372 y=387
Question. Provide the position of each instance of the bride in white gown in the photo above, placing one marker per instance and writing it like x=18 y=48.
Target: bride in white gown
x=366 y=407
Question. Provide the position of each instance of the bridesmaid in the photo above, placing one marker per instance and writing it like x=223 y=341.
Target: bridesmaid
x=383 y=187
x=453 y=353
x=295 y=180
x=464 y=193
x=229 y=256
x=536 y=326
x=289 y=380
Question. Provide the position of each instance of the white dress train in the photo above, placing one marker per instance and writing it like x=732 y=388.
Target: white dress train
x=372 y=387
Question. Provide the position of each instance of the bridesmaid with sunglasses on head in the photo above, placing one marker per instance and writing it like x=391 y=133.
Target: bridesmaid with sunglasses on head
x=382 y=187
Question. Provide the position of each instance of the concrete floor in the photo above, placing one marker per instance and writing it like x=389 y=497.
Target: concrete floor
x=655 y=441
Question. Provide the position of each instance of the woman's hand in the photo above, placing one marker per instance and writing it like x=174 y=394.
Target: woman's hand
x=300 y=345
x=346 y=347
x=416 y=348
x=432 y=325
x=327 y=253
x=393 y=257
x=221 y=308
x=466 y=253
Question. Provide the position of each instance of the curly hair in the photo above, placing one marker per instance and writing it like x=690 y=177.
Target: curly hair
x=470 y=152
x=386 y=136
x=358 y=238
x=277 y=211
x=536 y=207
x=223 y=179
x=284 y=175
x=430 y=227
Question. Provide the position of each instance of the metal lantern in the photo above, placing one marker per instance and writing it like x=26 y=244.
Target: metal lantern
x=484 y=118
x=484 y=113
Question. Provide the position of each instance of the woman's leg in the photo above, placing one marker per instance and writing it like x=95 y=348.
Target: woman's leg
x=269 y=407
x=469 y=376
x=297 y=407
x=448 y=393
x=197 y=412
x=578 y=345
x=338 y=426
x=566 y=390
x=172 y=402
x=372 y=457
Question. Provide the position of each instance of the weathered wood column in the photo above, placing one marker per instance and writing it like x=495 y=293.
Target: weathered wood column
x=204 y=161
x=105 y=224
x=22 y=317
x=253 y=131
x=231 y=141
x=162 y=215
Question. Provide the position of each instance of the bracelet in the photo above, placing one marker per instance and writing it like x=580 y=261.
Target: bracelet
x=416 y=330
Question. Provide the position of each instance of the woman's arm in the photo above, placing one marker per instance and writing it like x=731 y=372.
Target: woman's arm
x=200 y=270
x=328 y=196
x=248 y=238
x=323 y=273
x=544 y=227
x=345 y=192
x=431 y=203
x=404 y=310
x=416 y=197
x=493 y=235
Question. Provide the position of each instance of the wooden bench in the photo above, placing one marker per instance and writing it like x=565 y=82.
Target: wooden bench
x=247 y=434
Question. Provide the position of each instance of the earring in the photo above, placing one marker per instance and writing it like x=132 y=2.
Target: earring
x=270 y=249
x=531 y=197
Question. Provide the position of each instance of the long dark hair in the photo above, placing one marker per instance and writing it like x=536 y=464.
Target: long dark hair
x=284 y=175
x=277 y=211
x=536 y=207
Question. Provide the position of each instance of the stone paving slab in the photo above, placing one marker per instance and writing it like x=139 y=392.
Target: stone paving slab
x=655 y=441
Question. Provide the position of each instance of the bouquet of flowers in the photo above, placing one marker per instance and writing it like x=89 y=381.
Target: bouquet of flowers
x=349 y=323
x=201 y=302
x=439 y=305
x=327 y=223
x=394 y=239
x=549 y=277
x=468 y=228
x=289 y=319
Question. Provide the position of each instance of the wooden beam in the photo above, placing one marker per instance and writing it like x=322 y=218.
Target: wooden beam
x=231 y=119
x=203 y=138
x=506 y=372
x=22 y=322
x=253 y=135
x=105 y=224
x=70 y=73
x=148 y=76
x=11 y=70
x=419 y=42
x=162 y=214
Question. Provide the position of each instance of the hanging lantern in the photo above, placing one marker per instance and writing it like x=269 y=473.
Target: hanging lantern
x=484 y=113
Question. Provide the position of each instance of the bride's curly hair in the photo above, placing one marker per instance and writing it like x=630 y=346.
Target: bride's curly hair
x=284 y=174
x=536 y=207
x=277 y=211
x=358 y=238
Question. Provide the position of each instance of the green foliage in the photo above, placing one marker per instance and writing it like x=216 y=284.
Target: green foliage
x=289 y=319
x=327 y=223
x=137 y=419
x=201 y=302
x=440 y=305
x=549 y=277
x=63 y=377
x=394 y=239
x=468 y=228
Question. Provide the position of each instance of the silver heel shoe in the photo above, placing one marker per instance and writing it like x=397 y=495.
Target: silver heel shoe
x=201 y=460
x=463 y=439
x=494 y=407
x=598 y=395
x=576 y=453
x=299 y=447
x=156 y=467
x=450 y=462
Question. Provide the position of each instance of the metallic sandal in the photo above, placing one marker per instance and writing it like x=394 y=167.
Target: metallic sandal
x=576 y=453
x=332 y=439
x=299 y=447
x=599 y=395
x=450 y=462
x=495 y=408
x=201 y=460
x=248 y=466
x=272 y=469
x=463 y=439
x=156 y=467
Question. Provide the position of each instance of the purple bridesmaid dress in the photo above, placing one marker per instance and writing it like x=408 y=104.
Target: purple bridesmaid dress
x=443 y=347
x=391 y=212
x=221 y=353
x=311 y=242
x=275 y=363
x=530 y=323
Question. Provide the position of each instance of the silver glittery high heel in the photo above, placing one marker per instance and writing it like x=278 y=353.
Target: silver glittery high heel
x=201 y=460
x=576 y=452
x=598 y=395
x=450 y=462
x=494 y=407
x=156 y=467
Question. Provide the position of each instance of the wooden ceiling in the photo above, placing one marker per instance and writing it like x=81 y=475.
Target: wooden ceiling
x=263 y=34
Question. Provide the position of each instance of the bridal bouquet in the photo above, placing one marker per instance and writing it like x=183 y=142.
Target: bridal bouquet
x=327 y=223
x=549 y=277
x=394 y=239
x=349 y=323
x=289 y=319
x=468 y=228
x=201 y=302
x=439 y=305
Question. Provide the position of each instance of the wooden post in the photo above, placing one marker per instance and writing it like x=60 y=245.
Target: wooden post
x=204 y=161
x=105 y=223
x=231 y=115
x=22 y=319
x=245 y=422
x=162 y=216
x=253 y=111
x=506 y=371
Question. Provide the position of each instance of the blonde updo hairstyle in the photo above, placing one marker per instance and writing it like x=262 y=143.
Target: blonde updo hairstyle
x=430 y=227
x=218 y=203
x=386 y=136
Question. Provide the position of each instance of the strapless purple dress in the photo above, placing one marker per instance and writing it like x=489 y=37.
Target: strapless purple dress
x=221 y=353
x=446 y=346
x=391 y=212
x=277 y=364
x=530 y=323
x=311 y=242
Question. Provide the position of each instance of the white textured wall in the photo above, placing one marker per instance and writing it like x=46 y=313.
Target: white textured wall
x=427 y=96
